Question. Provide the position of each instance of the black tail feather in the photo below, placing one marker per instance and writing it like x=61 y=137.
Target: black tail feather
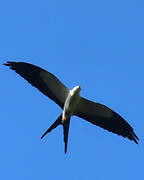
x=53 y=126
x=65 y=131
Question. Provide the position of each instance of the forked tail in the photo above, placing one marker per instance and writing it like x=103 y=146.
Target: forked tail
x=65 y=131
x=53 y=126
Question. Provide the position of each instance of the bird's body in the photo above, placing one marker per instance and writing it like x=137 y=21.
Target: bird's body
x=72 y=103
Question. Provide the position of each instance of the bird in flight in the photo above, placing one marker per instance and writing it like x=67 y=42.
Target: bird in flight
x=72 y=103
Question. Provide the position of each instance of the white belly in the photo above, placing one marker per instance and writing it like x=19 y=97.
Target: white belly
x=71 y=103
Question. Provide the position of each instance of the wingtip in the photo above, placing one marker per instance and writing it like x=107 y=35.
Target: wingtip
x=135 y=138
x=136 y=141
x=6 y=64
x=11 y=64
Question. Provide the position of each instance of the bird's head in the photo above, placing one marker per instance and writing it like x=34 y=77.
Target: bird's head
x=76 y=90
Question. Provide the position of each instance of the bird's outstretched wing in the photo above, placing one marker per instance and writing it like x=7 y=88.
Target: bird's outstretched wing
x=46 y=82
x=104 y=117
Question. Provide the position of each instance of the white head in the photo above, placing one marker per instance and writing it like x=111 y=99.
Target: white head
x=75 y=90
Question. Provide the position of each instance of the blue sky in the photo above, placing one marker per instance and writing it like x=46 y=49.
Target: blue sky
x=98 y=45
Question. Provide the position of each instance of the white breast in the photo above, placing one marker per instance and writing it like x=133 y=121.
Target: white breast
x=71 y=102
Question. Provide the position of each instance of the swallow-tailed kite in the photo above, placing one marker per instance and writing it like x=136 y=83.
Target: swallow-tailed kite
x=72 y=103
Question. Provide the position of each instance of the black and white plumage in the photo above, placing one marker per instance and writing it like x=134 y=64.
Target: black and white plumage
x=72 y=103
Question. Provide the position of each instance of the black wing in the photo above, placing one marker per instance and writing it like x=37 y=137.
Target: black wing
x=106 y=118
x=46 y=82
